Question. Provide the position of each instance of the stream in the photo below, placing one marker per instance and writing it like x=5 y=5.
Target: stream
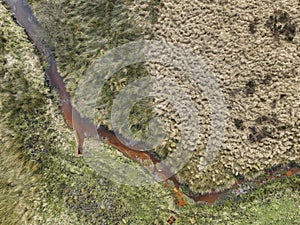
x=82 y=126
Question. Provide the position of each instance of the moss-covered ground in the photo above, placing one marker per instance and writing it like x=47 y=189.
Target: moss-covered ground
x=41 y=180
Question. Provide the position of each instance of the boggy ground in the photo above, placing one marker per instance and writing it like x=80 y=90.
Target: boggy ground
x=44 y=183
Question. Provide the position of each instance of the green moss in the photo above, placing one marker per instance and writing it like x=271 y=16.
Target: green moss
x=276 y=202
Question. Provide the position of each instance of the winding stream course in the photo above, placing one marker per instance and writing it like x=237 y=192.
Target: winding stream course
x=82 y=126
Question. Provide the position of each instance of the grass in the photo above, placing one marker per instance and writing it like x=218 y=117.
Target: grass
x=41 y=180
